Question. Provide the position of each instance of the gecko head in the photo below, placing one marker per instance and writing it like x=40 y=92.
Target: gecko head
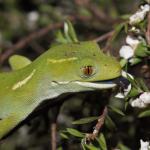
x=83 y=64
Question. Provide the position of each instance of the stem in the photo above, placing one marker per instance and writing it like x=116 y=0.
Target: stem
x=104 y=36
x=98 y=126
x=148 y=30
x=53 y=136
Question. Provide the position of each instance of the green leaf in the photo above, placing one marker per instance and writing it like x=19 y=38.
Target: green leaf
x=131 y=80
x=91 y=147
x=69 y=32
x=123 y=62
x=118 y=29
x=116 y=110
x=134 y=92
x=59 y=148
x=64 y=136
x=75 y=132
x=143 y=85
x=122 y=147
x=141 y=50
x=109 y=123
x=142 y=25
x=84 y=12
x=72 y=32
x=126 y=104
x=135 y=61
x=102 y=142
x=145 y=113
x=85 y=120
x=126 y=28
x=135 y=89
x=83 y=146
x=60 y=37
x=68 y=35
x=126 y=16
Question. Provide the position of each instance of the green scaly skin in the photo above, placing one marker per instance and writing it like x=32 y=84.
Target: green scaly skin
x=57 y=71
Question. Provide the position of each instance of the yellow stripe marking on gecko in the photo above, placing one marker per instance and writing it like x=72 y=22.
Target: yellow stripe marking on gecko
x=62 y=60
x=23 y=82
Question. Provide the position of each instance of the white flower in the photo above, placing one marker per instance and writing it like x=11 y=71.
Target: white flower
x=126 y=52
x=145 y=7
x=133 y=42
x=145 y=97
x=142 y=101
x=134 y=29
x=120 y=95
x=138 y=103
x=144 y=145
x=33 y=16
x=139 y=15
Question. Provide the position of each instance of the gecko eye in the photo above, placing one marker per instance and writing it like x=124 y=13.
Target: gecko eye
x=88 y=67
x=87 y=71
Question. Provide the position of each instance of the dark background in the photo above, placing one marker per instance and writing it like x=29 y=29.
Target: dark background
x=28 y=28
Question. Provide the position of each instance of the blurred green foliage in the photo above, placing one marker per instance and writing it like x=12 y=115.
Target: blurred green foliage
x=123 y=129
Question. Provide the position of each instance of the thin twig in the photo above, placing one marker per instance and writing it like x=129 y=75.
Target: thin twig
x=35 y=35
x=92 y=136
x=36 y=47
x=148 y=29
x=97 y=12
x=103 y=17
x=53 y=136
x=54 y=115
x=104 y=36
x=24 y=41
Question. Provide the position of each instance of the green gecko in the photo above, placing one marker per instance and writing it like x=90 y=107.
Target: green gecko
x=62 y=69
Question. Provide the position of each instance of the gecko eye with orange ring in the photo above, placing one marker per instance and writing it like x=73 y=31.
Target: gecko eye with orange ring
x=88 y=71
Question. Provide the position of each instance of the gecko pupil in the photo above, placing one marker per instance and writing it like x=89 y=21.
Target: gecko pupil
x=88 y=70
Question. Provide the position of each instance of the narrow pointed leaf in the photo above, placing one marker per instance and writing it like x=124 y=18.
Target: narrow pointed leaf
x=123 y=147
x=102 y=142
x=64 y=136
x=109 y=123
x=91 y=147
x=75 y=132
x=144 y=114
x=60 y=37
x=71 y=32
x=116 y=110
x=85 y=120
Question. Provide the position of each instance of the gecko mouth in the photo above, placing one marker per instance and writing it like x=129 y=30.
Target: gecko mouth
x=98 y=84
x=107 y=84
